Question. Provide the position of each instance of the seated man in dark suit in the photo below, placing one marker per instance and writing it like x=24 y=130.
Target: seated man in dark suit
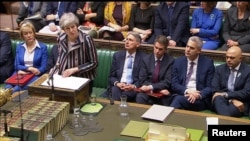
x=155 y=74
x=191 y=78
x=231 y=85
x=124 y=74
x=6 y=59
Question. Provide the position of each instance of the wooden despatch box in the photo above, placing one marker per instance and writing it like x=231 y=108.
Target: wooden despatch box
x=74 y=97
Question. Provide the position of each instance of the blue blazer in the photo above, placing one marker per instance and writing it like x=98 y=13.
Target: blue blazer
x=40 y=57
x=204 y=75
x=118 y=65
x=6 y=59
x=180 y=22
x=147 y=71
x=241 y=86
x=210 y=26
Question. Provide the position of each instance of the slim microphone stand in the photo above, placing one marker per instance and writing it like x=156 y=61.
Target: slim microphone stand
x=110 y=96
x=52 y=88
x=5 y=112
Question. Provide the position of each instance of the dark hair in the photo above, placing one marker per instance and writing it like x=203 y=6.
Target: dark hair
x=210 y=4
x=163 y=40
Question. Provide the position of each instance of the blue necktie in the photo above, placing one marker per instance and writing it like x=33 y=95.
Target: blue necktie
x=156 y=72
x=170 y=13
x=190 y=72
x=129 y=69
x=230 y=84
x=30 y=9
x=61 y=9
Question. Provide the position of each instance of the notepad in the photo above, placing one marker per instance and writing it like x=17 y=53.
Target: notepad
x=135 y=129
x=196 y=134
x=157 y=112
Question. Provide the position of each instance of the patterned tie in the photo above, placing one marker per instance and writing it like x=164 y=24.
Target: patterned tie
x=170 y=13
x=30 y=9
x=156 y=72
x=60 y=9
x=190 y=71
x=129 y=69
x=230 y=83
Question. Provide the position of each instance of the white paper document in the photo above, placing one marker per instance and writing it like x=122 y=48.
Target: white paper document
x=72 y=82
x=106 y=28
x=157 y=112
x=212 y=121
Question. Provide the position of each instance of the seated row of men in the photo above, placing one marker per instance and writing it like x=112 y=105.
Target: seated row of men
x=189 y=82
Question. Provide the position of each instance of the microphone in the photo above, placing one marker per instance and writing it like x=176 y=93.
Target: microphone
x=110 y=96
x=51 y=78
x=5 y=112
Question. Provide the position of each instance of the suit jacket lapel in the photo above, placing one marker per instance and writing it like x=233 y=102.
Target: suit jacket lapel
x=185 y=64
x=238 y=76
x=123 y=59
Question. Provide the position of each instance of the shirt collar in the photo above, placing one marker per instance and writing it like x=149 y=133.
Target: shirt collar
x=160 y=58
x=195 y=60
x=236 y=68
x=172 y=5
x=36 y=45
x=133 y=54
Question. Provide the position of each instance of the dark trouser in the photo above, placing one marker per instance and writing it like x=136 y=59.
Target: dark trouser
x=143 y=98
x=181 y=102
x=222 y=106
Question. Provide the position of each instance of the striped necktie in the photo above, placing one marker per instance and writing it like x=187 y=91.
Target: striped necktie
x=190 y=72
x=156 y=72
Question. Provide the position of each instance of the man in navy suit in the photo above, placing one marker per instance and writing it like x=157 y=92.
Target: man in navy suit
x=172 y=20
x=119 y=69
x=35 y=11
x=54 y=11
x=232 y=92
x=159 y=82
x=191 y=84
x=6 y=59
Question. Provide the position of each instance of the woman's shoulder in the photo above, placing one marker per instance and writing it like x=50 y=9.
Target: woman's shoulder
x=42 y=44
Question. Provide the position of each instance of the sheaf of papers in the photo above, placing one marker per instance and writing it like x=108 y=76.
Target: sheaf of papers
x=107 y=28
x=212 y=121
x=157 y=112
x=71 y=82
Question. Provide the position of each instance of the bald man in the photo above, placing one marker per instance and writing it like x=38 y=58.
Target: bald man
x=231 y=85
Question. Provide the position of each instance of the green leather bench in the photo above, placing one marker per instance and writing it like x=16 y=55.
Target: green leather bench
x=105 y=56
x=104 y=59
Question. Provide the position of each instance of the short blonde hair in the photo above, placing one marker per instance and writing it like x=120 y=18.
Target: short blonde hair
x=26 y=25
x=68 y=18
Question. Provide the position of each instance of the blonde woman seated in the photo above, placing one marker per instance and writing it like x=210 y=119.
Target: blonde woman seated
x=31 y=56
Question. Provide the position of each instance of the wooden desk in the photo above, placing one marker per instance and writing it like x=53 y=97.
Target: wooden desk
x=74 y=97
x=113 y=124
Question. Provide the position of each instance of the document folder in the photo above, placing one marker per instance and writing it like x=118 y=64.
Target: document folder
x=19 y=79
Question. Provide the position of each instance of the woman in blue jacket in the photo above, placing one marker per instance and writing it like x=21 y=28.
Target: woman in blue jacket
x=207 y=23
x=31 y=56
